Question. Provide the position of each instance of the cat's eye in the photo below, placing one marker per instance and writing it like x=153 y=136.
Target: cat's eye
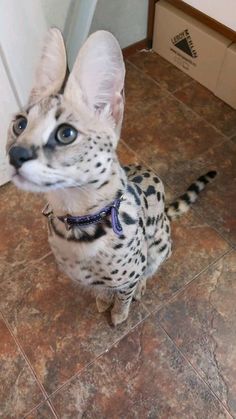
x=19 y=125
x=66 y=134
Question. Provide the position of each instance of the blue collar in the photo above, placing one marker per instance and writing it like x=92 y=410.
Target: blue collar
x=71 y=221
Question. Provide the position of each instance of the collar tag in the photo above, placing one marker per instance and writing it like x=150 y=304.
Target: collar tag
x=115 y=221
x=67 y=225
x=46 y=211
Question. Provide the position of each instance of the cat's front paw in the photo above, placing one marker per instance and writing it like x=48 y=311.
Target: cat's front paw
x=102 y=305
x=118 y=318
x=140 y=290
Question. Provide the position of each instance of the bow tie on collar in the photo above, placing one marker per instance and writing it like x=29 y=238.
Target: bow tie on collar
x=71 y=221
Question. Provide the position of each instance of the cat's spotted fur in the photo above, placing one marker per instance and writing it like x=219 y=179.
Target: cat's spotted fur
x=82 y=177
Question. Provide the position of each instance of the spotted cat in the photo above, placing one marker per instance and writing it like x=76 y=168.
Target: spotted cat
x=108 y=226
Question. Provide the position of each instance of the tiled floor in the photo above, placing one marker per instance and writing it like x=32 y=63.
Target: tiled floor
x=176 y=355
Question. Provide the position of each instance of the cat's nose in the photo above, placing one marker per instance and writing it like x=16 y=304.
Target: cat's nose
x=19 y=155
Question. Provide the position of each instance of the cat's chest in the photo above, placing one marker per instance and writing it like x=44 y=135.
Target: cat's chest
x=99 y=264
x=73 y=252
x=73 y=258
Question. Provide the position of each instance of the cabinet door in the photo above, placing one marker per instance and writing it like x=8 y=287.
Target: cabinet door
x=22 y=27
x=8 y=105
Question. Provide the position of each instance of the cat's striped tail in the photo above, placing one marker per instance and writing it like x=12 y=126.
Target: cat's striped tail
x=184 y=202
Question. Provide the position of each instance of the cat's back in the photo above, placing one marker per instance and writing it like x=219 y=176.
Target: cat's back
x=148 y=186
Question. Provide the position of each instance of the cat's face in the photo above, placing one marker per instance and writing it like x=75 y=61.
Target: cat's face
x=69 y=139
x=58 y=145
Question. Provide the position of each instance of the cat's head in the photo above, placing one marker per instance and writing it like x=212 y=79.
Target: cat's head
x=67 y=134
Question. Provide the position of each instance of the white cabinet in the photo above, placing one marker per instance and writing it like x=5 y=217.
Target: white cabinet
x=22 y=28
x=23 y=25
x=8 y=105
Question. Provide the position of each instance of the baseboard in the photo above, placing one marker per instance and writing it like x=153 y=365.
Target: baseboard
x=4 y=172
x=132 y=49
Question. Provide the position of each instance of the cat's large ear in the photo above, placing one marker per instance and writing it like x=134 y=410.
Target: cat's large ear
x=51 y=69
x=98 y=76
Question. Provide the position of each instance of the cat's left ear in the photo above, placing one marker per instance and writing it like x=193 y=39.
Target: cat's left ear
x=51 y=69
x=97 y=77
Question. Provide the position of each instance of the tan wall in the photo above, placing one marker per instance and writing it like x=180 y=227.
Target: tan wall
x=126 y=19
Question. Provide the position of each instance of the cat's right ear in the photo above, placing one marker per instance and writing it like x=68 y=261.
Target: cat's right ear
x=51 y=69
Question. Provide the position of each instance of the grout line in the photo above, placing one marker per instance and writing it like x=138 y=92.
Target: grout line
x=46 y=402
x=173 y=190
x=47 y=397
x=83 y=369
x=232 y=136
x=43 y=257
x=32 y=264
x=181 y=87
x=163 y=304
x=227 y=137
x=28 y=363
x=149 y=313
x=25 y=265
x=170 y=93
x=164 y=89
x=200 y=117
x=197 y=373
x=141 y=161
x=139 y=70
x=199 y=215
x=18 y=345
x=55 y=413
x=193 y=208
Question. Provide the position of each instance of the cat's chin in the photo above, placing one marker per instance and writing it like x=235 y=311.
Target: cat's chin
x=28 y=185
x=24 y=184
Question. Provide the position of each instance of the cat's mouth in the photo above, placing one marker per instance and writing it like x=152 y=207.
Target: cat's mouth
x=23 y=183
x=32 y=183
x=18 y=176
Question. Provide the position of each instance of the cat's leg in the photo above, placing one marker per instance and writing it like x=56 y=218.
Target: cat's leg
x=140 y=289
x=104 y=300
x=123 y=298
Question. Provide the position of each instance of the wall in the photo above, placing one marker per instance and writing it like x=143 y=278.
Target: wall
x=77 y=27
x=126 y=19
x=55 y=12
x=224 y=11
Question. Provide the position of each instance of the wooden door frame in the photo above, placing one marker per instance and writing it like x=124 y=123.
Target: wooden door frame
x=150 y=25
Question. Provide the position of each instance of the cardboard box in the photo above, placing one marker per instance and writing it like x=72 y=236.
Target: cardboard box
x=226 y=84
x=190 y=45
